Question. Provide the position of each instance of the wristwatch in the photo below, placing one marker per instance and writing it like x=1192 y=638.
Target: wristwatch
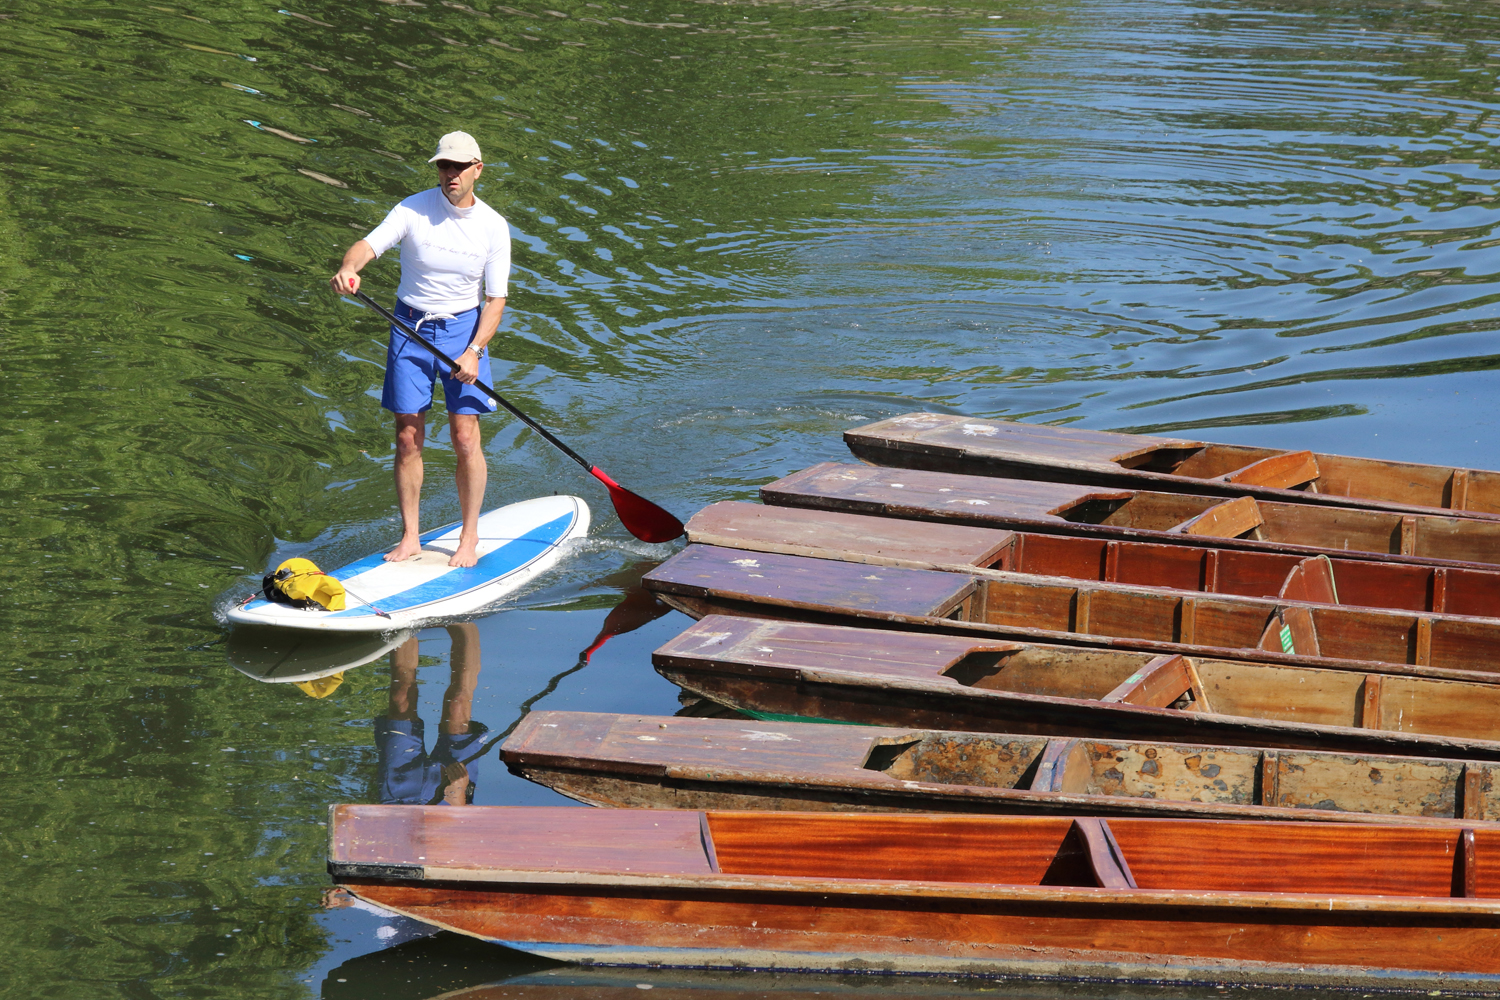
x=478 y=351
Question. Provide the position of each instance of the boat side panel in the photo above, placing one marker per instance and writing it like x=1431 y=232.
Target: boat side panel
x=1213 y=856
x=1396 y=786
x=1021 y=851
x=1445 y=708
x=958 y=937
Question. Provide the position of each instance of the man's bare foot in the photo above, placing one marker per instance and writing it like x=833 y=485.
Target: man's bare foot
x=467 y=553
x=408 y=548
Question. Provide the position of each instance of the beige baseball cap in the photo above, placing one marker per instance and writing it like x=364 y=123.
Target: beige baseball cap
x=457 y=147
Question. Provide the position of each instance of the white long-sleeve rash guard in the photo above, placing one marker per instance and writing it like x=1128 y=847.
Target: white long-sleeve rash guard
x=445 y=251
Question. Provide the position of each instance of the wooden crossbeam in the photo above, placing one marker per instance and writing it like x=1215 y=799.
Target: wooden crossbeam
x=1111 y=870
x=1291 y=630
x=1159 y=683
x=1049 y=770
x=1311 y=580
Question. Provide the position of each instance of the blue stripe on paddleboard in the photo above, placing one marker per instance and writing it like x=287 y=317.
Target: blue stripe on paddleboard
x=368 y=563
x=506 y=559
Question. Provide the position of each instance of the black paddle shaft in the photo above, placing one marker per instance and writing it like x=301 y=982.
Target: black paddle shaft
x=453 y=365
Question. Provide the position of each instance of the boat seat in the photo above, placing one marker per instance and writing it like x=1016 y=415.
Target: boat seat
x=1282 y=472
x=1230 y=519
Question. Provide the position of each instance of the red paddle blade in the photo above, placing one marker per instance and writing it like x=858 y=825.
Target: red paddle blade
x=642 y=518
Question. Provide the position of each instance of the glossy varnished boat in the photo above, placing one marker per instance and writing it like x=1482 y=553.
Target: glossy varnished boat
x=1167 y=518
x=944 y=443
x=633 y=761
x=1123 y=898
x=710 y=579
x=889 y=541
x=788 y=670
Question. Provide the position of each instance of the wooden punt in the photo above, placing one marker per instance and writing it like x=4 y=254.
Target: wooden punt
x=708 y=579
x=1168 y=518
x=943 y=443
x=632 y=761
x=1322 y=579
x=777 y=670
x=1123 y=898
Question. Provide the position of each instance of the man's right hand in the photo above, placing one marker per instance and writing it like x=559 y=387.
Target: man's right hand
x=346 y=282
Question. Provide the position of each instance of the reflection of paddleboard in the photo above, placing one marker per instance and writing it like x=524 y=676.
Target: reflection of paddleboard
x=516 y=544
x=278 y=656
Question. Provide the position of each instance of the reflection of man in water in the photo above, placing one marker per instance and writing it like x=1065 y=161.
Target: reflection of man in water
x=408 y=774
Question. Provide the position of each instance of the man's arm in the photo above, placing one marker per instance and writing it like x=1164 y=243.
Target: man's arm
x=346 y=282
x=489 y=322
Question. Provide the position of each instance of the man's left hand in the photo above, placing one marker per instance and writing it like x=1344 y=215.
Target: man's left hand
x=468 y=368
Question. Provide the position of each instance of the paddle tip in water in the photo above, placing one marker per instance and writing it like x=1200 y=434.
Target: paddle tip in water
x=642 y=518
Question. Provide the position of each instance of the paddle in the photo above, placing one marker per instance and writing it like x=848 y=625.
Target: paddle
x=642 y=518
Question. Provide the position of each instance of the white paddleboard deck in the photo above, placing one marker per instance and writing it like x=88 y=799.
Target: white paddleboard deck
x=517 y=543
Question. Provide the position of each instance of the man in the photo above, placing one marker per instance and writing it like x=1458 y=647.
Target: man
x=409 y=775
x=449 y=241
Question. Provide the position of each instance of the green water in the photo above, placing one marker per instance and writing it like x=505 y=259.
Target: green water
x=740 y=228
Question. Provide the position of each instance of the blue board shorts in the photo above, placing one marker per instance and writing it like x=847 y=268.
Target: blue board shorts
x=411 y=776
x=410 y=369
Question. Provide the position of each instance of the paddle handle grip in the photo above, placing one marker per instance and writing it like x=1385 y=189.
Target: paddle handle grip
x=479 y=384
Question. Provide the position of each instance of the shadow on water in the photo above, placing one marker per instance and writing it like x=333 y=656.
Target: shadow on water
x=452 y=967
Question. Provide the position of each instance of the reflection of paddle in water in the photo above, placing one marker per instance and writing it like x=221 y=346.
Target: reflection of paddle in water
x=409 y=775
x=639 y=607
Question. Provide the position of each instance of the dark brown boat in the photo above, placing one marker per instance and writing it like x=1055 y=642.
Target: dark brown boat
x=709 y=579
x=1168 y=518
x=632 y=761
x=787 y=671
x=889 y=541
x=1120 y=899
x=940 y=442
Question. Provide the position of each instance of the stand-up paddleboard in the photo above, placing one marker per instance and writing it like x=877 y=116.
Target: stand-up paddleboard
x=517 y=543
x=282 y=656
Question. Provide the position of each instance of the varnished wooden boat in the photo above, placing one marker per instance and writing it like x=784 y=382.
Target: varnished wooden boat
x=1122 y=899
x=786 y=670
x=709 y=579
x=1168 y=518
x=890 y=541
x=632 y=761
x=943 y=443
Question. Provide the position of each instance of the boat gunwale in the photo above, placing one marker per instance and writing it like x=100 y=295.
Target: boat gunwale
x=435 y=876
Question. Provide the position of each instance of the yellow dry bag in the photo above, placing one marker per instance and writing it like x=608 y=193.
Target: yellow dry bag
x=301 y=584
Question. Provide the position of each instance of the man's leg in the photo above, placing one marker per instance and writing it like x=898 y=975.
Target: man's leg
x=411 y=428
x=463 y=678
x=472 y=475
x=402 y=702
x=458 y=704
